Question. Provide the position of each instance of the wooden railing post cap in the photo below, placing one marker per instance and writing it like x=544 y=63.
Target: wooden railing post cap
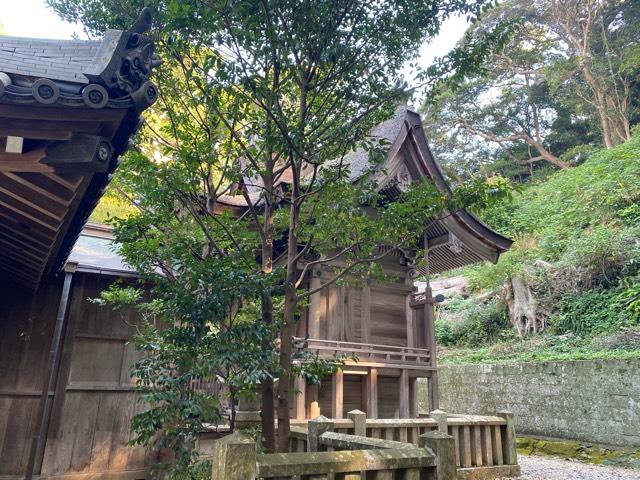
x=359 y=420
x=433 y=438
x=505 y=414
x=440 y=416
x=316 y=428
x=443 y=446
x=355 y=412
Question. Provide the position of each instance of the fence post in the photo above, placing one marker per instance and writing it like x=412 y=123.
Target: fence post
x=509 y=439
x=234 y=458
x=359 y=420
x=317 y=427
x=443 y=447
x=440 y=416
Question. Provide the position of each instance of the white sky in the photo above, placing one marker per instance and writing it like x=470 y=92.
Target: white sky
x=32 y=18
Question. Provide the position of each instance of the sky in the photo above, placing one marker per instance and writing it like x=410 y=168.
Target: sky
x=32 y=18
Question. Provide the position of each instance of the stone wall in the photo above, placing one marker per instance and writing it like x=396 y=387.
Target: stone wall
x=590 y=401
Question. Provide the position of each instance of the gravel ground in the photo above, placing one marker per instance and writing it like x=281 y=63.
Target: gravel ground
x=548 y=468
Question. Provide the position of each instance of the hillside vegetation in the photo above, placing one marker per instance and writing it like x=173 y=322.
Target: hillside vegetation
x=575 y=263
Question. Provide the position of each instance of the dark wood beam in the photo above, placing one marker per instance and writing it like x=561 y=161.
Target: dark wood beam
x=23 y=162
x=55 y=113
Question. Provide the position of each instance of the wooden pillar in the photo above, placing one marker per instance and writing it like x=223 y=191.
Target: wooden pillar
x=429 y=317
x=39 y=440
x=337 y=394
x=434 y=399
x=430 y=332
x=404 y=394
x=409 y=316
x=335 y=314
x=510 y=454
x=372 y=393
x=300 y=387
x=313 y=405
x=349 y=314
x=413 y=397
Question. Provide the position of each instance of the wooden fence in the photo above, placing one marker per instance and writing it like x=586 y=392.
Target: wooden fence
x=331 y=455
x=484 y=445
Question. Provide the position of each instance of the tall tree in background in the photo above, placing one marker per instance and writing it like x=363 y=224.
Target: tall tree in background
x=565 y=79
x=509 y=105
x=602 y=57
x=256 y=92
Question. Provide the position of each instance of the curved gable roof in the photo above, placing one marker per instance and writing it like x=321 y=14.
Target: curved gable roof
x=455 y=239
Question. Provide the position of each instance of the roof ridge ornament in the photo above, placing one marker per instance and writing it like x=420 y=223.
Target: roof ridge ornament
x=126 y=71
x=113 y=72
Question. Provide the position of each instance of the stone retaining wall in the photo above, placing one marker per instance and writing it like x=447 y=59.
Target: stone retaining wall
x=591 y=401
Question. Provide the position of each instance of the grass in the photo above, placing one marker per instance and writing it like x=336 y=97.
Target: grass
x=545 y=348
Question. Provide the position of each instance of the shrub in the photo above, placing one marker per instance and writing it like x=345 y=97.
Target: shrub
x=629 y=300
x=585 y=313
x=444 y=332
x=465 y=323
x=599 y=310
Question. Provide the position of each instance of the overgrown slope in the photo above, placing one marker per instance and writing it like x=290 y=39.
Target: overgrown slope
x=577 y=251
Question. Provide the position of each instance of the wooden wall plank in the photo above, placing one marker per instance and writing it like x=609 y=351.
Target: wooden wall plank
x=85 y=420
x=366 y=315
x=353 y=388
x=315 y=308
x=103 y=435
x=388 y=397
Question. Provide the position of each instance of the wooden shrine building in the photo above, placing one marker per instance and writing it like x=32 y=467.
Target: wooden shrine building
x=387 y=326
x=67 y=111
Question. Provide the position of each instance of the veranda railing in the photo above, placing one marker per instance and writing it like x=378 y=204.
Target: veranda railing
x=483 y=444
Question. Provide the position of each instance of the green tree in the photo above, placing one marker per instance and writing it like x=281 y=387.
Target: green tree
x=508 y=111
x=601 y=58
x=564 y=82
x=289 y=89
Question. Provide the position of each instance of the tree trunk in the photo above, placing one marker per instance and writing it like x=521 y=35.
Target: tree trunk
x=614 y=125
x=522 y=306
x=286 y=330
x=267 y=406
x=284 y=383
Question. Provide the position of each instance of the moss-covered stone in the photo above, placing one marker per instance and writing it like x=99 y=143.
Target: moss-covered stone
x=588 y=453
